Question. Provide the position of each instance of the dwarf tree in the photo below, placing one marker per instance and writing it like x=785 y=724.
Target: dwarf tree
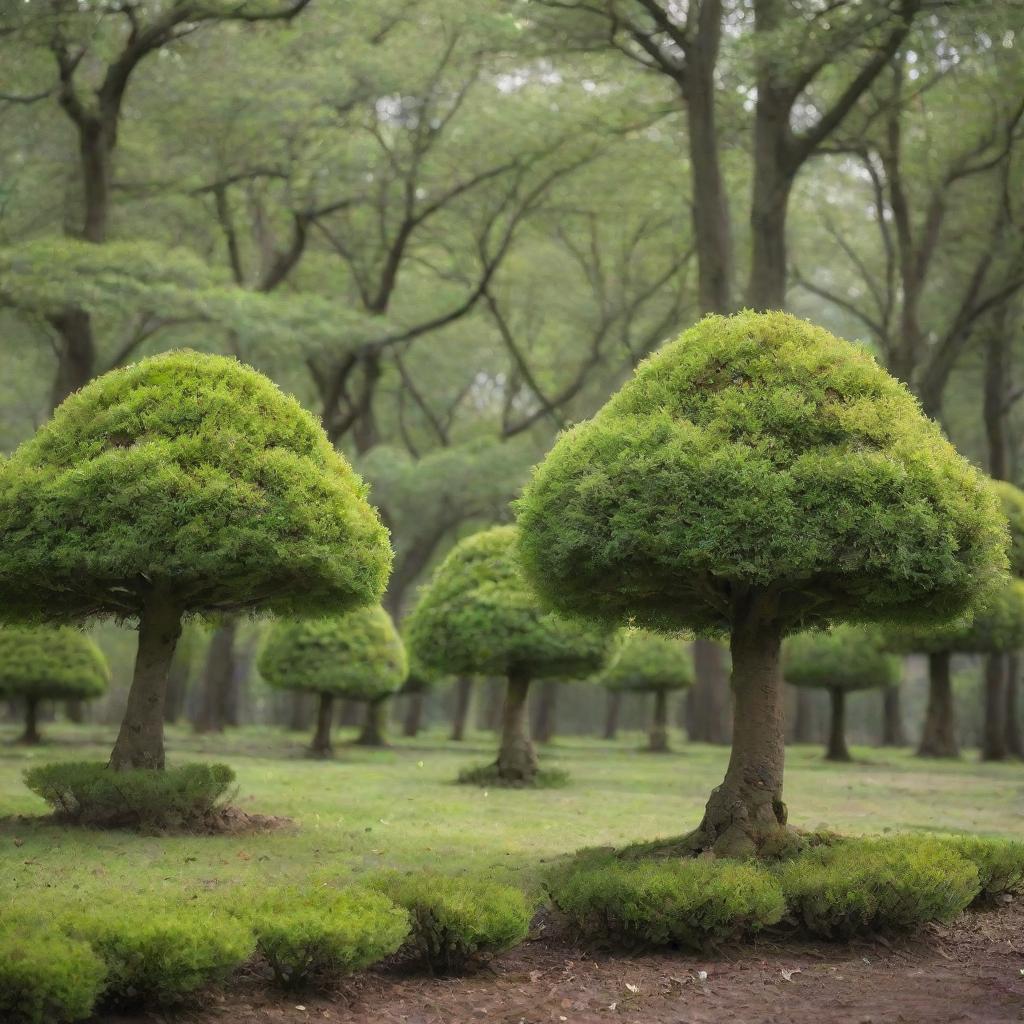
x=757 y=477
x=997 y=627
x=358 y=655
x=185 y=484
x=651 y=663
x=478 y=616
x=39 y=663
x=843 y=660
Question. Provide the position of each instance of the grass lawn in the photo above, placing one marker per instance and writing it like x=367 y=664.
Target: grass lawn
x=398 y=808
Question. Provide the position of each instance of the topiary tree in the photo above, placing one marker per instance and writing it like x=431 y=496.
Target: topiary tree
x=185 y=484
x=651 y=663
x=358 y=655
x=843 y=660
x=478 y=616
x=757 y=477
x=995 y=628
x=40 y=663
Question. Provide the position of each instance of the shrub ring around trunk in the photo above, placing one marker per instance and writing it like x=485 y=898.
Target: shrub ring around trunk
x=490 y=776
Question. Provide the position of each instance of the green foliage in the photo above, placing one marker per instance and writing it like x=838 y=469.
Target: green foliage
x=479 y=616
x=196 y=475
x=51 y=664
x=759 y=450
x=358 y=655
x=1012 y=501
x=995 y=626
x=46 y=978
x=690 y=903
x=844 y=658
x=454 y=921
x=1000 y=864
x=317 y=936
x=90 y=793
x=649 y=661
x=157 y=956
x=859 y=886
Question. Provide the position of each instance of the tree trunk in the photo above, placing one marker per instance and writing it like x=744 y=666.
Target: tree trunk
x=30 y=737
x=218 y=680
x=544 y=724
x=373 y=733
x=804 y=719
x=517 y=760
x=76 y=353
x=463 y=697
x=658 y=740
x=321 y=745
x=413 y=713
x=140 y=741
x=75 y=710
x=893 y=733
x=993 y=742
x=747 y=808
x=709 y=699
x=837 y=749
x=938 y=739
x=611 y=718
x=1014 y=740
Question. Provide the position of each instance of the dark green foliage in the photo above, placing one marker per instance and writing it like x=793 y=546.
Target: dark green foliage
x=649 y=661
x=156 y=956
x=689 y=903
x=489 y=775
x=51 y=664
x=844 y=658
x=758 y=450
x=859 y=886
x=307 y=937
x=1012 y=500
x=455 y=921
x=188 y=474
x=46 y=978
x=1000 y=864
x=358 y=655
x=479 y=616
x=89 y=793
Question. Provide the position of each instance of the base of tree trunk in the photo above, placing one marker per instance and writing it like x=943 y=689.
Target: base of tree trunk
x=373 y=730
x=517 y=758
x=321 y=745
x=893 y=733
x=657 y=738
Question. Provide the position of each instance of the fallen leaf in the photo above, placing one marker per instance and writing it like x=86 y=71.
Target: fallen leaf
x=632 y=988
x=702 y=975
x=611 y=1006
x=787 y=975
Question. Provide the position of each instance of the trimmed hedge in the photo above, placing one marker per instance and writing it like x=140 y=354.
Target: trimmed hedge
x=46 y=978
x=456 y=921
x=90 y=793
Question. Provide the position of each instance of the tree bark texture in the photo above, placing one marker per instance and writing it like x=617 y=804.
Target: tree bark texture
x=517 y=759
x=993 y=740
x=938 y=738
x=658 y=739
x=30 y=736
x=374 y=730
x=837 y=749
x=321 y=745
x=893 y=733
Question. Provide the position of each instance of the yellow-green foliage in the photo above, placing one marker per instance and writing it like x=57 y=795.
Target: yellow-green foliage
x=870 y=885
x=46 y=978
x=41 y=663
x=649 y=661
x=758 y=450
x=1012 y=500
x=996 y=626
x=191 y=474
x=456 y=920
x=678 y=902
x=1000 y=864
x=358 y=655
x=844 y=658
x=156 y=956
x=319 y=935
x=478 y=615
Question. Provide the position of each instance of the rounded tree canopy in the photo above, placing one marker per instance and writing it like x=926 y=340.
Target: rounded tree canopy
x=1012 y=500
x=996 y=627
x=358 y=655
x=44 y=663
x=191 y=476
x=844 y=658
x=479 y=616
x=649 y=661
x=759 y=453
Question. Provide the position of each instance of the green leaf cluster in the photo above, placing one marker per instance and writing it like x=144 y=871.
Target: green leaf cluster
x=649 y=661
x=358 y=655
x=844 y=658
x=1012 y=500
x=760 y=451
x=41 y=663
x=479 y=616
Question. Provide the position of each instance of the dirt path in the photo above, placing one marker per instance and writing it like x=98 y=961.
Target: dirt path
x=971 y=971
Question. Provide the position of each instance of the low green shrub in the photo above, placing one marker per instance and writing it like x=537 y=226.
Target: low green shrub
x=871 y=885
x=682 y=902
x=487 y=775
x=1000 y=864
x=90 y=793
x=159 y=956
x=455 y=921
x=46 y=978
x=306 y=937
